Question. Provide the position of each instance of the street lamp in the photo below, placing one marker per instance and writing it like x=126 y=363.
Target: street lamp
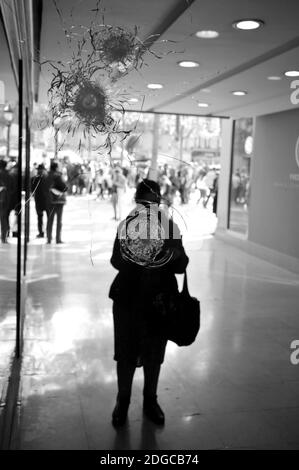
x=8 y=115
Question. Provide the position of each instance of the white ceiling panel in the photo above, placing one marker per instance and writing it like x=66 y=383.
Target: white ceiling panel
x=234 y=60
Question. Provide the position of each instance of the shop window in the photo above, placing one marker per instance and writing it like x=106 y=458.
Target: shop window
x=239 y=202
x=8 y=207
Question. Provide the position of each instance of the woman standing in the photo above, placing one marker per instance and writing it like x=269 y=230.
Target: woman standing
x=139 y=339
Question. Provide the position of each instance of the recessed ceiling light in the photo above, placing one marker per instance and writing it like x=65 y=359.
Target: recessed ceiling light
x=247 y=25
x=206 y=90
x=292 y=73
x=188 y=63
x=154 y=86
x=207 y=34
x=202 y=105
x=133 y=100
x=274 y=77
x=239 y=93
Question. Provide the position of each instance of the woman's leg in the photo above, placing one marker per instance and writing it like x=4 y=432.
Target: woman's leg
x=125 y=374
x=150 y=405
x=151 y=378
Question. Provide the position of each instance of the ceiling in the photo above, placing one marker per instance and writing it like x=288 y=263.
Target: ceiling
x=236 y=60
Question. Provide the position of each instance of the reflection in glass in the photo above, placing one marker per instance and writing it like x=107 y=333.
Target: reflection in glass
x=240 y=175
x=8 y=192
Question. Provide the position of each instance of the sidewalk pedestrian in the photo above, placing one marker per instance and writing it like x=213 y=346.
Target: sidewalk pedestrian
x=139 y=338
x=40 y=190
x=5 y=194
x=118 y=191
x=57 y=190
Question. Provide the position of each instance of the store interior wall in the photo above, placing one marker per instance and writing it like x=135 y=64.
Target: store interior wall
x=274 y=199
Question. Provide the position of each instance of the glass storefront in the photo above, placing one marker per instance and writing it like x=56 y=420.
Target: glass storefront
x=240 y=175
x=9 y=208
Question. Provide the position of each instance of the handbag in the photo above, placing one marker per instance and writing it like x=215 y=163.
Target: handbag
x=183 y=317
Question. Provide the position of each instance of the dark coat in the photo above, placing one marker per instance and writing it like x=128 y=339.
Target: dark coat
x=55 y=181
x=13 y=173
x=6 y=183
x=136 y=282
x=40 y=189
x=138 y=329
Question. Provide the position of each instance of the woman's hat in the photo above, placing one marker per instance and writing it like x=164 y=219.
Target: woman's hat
x=148 y=190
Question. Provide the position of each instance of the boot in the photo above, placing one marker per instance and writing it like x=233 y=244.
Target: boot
x=153 y=411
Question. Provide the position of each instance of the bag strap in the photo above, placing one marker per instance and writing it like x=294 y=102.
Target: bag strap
x=185 y=289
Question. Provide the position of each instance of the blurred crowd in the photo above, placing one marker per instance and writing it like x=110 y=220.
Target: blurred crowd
x=107 y=181
x=49 y=187
x=99 y=178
